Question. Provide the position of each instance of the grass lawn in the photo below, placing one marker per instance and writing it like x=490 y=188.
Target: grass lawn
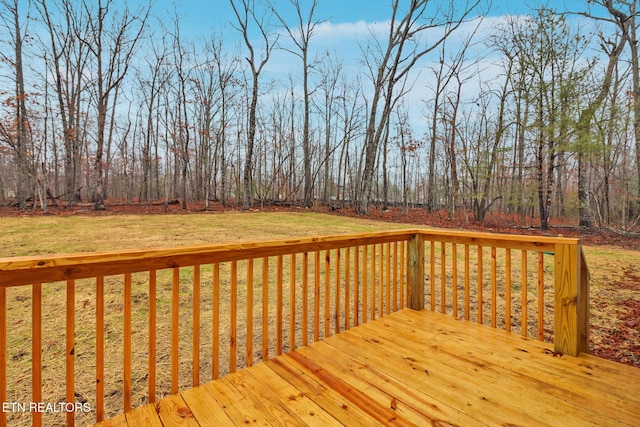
x=36 y=235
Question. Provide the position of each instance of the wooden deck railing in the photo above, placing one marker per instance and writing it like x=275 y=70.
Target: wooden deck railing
x=466 y=272
x=142 y=324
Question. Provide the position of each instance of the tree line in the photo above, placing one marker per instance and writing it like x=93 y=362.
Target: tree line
x=537 y=116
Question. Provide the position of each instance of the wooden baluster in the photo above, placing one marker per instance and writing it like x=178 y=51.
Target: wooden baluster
x=373 y=282
x=388 y=267
x=316 y=300
x=432 y=273
x=3 y=352
x=126 y=389
x=365 y=284
x=395 y=277
x=305 y=298
x=70 y=349
x=36 y=350
x=388 y=277
x=494 y=287
x=152 y=336
x=480 y=250
x=337 y=296
x=443 y=278
x=249 y=349
x=99 y=349
x=279 y=309
x=233 y=327
x=215 y=322
x=292 y=303
x=347 y=288
x=415 y=272
x=327 y=293
x=507 y=286
x=175 y=328
x=403 y=275
x=265 y=308
x=454 y=279
x=541 y=295
x=356 y=286
x=195 y=351
x=381 y=281
x=524 y=293
x=467 y=284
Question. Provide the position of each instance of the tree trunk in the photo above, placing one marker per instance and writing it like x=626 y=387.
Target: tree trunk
x=22 y=123
x=583 y=130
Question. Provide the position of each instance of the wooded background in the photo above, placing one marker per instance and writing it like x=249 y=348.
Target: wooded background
x=98 y=104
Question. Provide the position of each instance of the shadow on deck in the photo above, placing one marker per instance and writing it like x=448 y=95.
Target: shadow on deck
x=410 y=368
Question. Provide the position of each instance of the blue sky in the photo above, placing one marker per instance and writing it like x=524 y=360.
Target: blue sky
x=346 y=22
x=207 y=15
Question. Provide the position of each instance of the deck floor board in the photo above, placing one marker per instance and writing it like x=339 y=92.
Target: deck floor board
x=529 y=374
x=411 y=368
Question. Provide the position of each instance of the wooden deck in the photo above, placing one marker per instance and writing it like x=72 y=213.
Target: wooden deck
x=411 y=368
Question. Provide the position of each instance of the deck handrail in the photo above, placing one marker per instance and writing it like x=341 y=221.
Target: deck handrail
x=570 y=283
x=352 y=277
x=17 y=271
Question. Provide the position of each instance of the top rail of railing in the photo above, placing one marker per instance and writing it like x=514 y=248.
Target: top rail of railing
x=18 y=271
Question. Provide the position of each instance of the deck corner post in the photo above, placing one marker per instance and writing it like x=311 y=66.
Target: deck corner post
x=571 y=302
x=415 y=272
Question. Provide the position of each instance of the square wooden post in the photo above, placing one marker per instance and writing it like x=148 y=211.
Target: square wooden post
x=415 y=272
x=571 y=303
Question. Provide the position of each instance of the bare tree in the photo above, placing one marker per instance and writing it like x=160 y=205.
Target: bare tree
x=181 y=126
x=112 y=45
x=301 y=36
x=330 y=74
x=225 y=66
x=391 y=64
x=351 y=114
x=246 y=17
x=17 y=132
x=150 y=86
x=446 y=70
x=68 y=64
x=408 y=147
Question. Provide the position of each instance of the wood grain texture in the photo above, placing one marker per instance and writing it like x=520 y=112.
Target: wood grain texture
x=567 y=338
x=412 y=368
x=3 y=352
x=70 y=348
x=17 y=271
x=36 y=350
